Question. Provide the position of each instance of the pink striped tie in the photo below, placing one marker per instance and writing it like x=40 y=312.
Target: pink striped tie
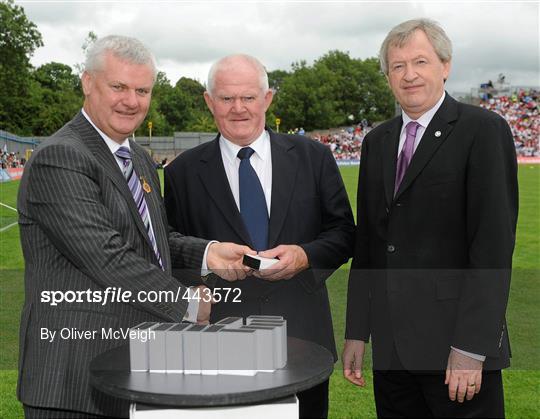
x=138 y=195
x=406 y=154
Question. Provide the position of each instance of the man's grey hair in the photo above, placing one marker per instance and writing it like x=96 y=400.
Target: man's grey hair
x=400 y=34
x=123 y=47
x=228 y=62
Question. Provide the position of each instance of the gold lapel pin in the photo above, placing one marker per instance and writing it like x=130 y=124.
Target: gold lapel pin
x=437 y=134
x=145 y=185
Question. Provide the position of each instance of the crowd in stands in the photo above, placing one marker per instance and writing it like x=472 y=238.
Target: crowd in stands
x=11 y=160
x=522 y=112
x=345 y=143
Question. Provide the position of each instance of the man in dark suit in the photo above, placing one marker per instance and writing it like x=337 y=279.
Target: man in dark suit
x=92 y=218
x=437 y=210
x=280 y=194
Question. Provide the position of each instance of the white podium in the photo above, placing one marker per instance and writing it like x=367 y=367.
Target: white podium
x=286 y=408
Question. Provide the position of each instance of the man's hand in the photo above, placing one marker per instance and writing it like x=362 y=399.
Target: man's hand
x=463 y=376
x=292 y=259
x=353 y=358
x=225 y=260
x=205 y=306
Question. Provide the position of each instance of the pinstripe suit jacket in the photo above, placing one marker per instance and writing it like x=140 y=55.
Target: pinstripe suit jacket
x=80 y=229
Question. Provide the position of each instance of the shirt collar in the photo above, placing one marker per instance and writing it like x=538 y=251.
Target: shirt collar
x=426 y=118
x=261 y=146
x=113 y=145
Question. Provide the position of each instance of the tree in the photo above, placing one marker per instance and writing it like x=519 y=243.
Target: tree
x=200 y=118
x=57 y=76
x=176 y=107
x=59 y=95
x=323 y=95
x=375 y=101
x=160 y=123
x=363 y=92
x=194 y=90
x=276 y=78
x=182 y=106
x=346 y=72
x=19 y=38
x=203 y=123
x=87 y=43
x=306 y=98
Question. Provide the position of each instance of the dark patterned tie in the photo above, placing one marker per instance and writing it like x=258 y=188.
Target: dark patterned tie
x=138 y=195
x=252 y=202
x=406 y=154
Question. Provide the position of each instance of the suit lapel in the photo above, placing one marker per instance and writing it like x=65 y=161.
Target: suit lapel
x=390 y=147
x=152 y=198
x=284 y=168
x=213 y=177
x=103 y=155
x=436 y=133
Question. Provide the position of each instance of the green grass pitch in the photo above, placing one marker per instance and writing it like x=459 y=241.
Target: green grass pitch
x=521 y=380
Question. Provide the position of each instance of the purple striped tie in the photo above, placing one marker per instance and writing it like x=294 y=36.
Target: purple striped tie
x=406 y=154
x=138 y=195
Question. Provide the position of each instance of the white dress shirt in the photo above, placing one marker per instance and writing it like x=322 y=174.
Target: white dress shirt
x=261 y=161
x=193 y=305
x=114 y=146
x=424 y=121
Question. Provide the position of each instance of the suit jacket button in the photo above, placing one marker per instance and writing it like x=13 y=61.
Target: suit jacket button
x=391 y=248
x=399 y=204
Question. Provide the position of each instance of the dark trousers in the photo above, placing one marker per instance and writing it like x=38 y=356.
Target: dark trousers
x=314 y=401
x=404 y=394
x=31 y=412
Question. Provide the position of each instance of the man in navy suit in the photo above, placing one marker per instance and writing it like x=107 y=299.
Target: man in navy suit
x=437 y=211
x=279 y=194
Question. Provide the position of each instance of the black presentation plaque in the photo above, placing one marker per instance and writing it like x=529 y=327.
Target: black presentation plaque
x=308 y=364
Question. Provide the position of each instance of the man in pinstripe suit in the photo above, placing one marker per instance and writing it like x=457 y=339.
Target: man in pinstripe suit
x=91 y=217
